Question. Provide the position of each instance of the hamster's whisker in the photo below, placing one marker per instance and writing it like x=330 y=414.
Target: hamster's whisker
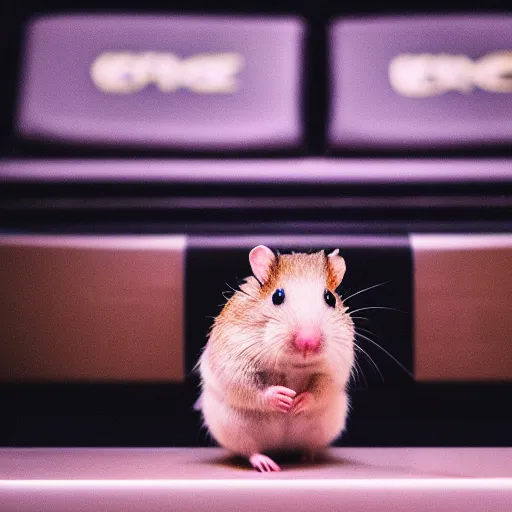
x=374 y=307
x=250 y=351
x=234 y=290
x=365 y=290
x=249 y=365
x=354 y=372
x=230 y=287
x=248 y=359
x=254 y=353
x=370 y=359
x=360 y=318
x=357 y=372
x=366 y=330
x=387 y=353
x=342 y=344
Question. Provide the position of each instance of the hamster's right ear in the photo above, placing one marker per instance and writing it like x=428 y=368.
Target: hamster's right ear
x=261 y=259
x=338 y=267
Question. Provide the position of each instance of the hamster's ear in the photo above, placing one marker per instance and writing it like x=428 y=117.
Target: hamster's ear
x=338 y=267
x=261 y=259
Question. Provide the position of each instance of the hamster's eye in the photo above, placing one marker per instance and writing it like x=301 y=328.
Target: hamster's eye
x=330 y=299
x=278 y=297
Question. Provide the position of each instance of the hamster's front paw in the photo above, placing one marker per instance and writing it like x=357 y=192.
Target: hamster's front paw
x=278 y=398
x=303 y=402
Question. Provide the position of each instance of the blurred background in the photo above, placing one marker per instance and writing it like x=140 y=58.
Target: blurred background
x=125 y=213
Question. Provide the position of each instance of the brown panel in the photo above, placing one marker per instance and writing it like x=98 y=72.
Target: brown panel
x=463 y=307
x=91 y=308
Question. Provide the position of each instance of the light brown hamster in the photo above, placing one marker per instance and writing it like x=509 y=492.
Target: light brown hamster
x=274 y=371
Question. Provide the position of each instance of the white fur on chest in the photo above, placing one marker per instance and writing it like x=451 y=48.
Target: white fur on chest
x=309 y=430
x=247 y=431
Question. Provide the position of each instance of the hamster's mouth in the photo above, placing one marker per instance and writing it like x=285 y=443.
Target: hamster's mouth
x=305 y=365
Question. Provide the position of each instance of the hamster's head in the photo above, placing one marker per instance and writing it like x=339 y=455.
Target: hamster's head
x=291 y=310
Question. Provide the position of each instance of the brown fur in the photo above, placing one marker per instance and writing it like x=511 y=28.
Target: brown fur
x=299 y=265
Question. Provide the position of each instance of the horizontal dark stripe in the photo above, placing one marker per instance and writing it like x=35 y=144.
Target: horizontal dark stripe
x=97 y=224
x=254 y=203
x=161 y=415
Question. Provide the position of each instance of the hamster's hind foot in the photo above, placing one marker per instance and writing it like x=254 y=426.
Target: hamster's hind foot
x=263 y=463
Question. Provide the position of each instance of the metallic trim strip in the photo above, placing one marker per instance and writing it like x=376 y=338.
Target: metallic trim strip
x=297 y=241
x=286 y=171
x=202 y=479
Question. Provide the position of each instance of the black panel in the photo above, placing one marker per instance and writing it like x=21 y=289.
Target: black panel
x=213 y=270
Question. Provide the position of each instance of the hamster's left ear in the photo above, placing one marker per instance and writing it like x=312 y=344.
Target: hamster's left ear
x=261 y=259
x=338 y=267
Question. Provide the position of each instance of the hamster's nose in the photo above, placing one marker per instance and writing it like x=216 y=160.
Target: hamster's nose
x=307 y=340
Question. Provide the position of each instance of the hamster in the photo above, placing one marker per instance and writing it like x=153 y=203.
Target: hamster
x=275 y=368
